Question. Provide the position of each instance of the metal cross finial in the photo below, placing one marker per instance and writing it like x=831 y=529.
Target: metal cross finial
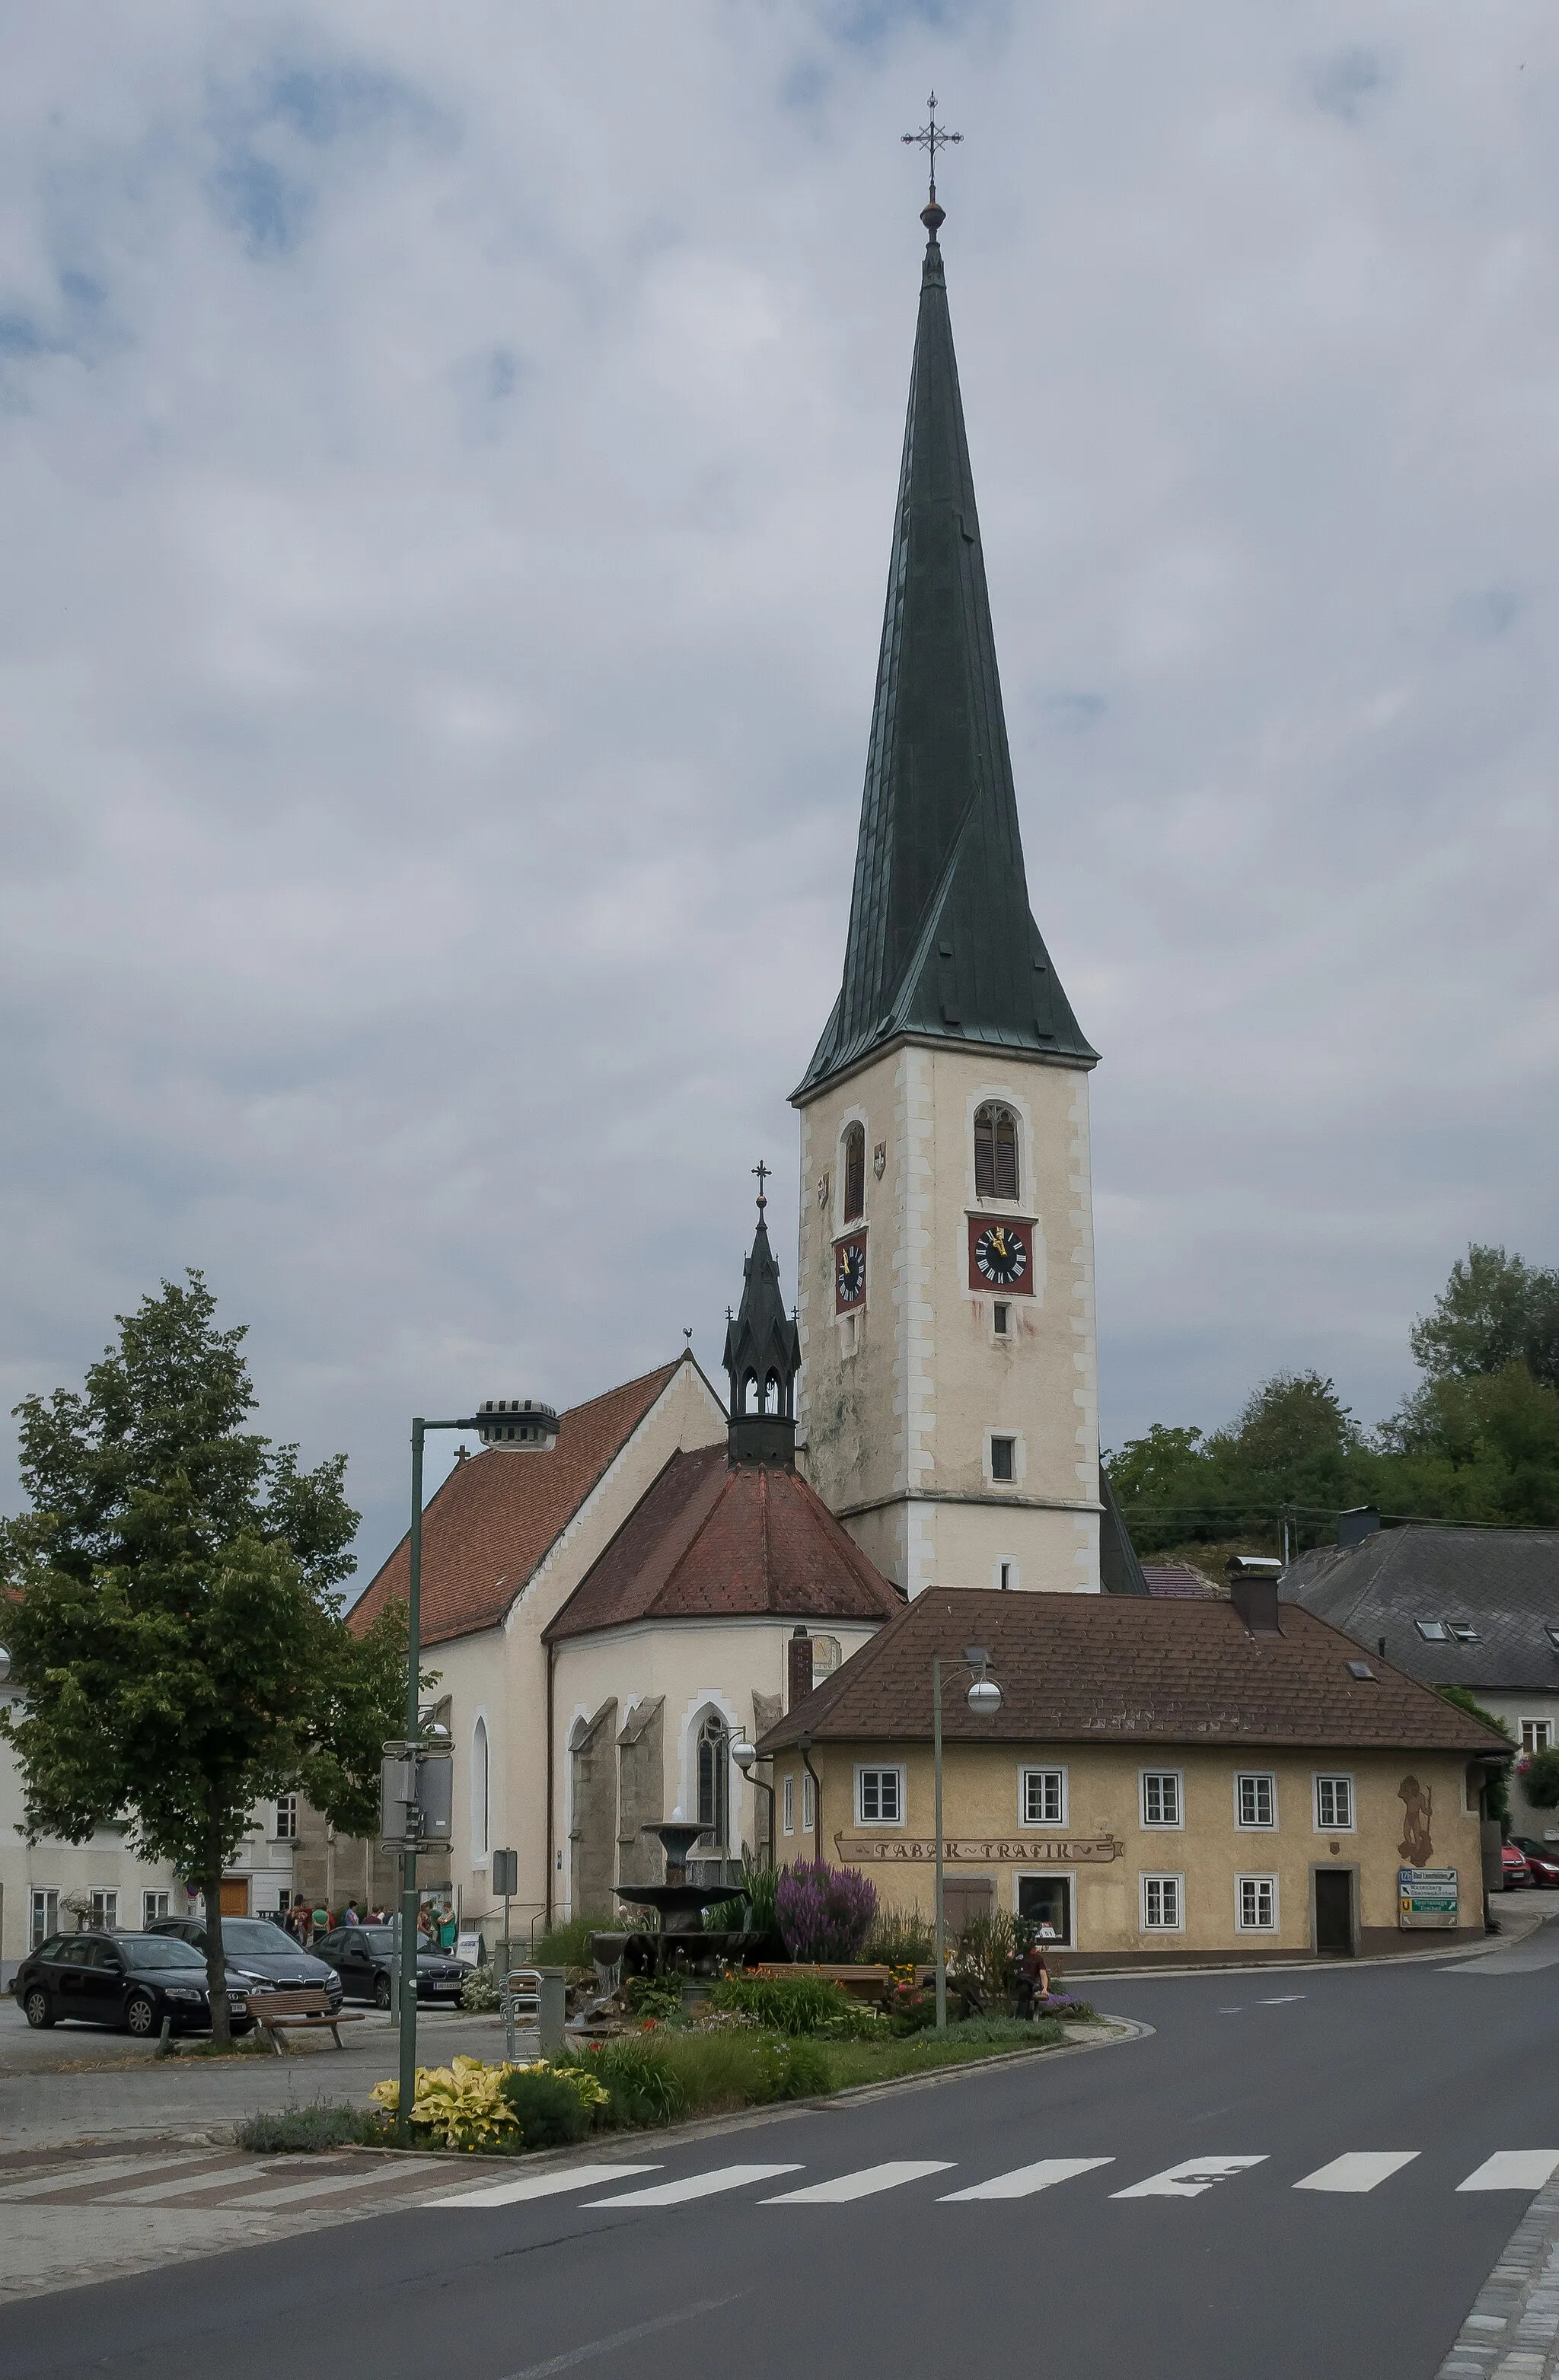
x=931 y=137
x=762 y=1172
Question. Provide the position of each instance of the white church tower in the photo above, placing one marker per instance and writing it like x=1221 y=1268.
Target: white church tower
x=949 y=1400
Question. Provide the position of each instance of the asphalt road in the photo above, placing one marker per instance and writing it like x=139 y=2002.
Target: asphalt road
x=1247 y=2275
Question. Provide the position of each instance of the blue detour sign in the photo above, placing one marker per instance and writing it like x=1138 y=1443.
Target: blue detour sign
x=1425 y=1895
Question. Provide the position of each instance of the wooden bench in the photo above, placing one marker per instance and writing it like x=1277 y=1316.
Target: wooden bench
x=306 y=2011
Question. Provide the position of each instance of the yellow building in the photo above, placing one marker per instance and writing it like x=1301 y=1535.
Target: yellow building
x=1163 y=1783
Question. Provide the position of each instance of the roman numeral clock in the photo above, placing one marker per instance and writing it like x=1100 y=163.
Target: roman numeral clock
x=1002 y=1255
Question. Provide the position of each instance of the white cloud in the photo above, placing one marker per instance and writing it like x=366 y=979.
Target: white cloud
x=446 y=463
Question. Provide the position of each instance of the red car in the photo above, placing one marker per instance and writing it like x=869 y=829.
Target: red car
x=1542 y=1860
x=1514 y=1860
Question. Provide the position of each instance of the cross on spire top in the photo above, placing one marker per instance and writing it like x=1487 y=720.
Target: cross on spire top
x=762 y=1172
x=930 y=137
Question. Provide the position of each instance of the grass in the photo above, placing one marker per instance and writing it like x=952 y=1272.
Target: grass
x=568 y=1946
x=855 y=2062
x=283 y=2130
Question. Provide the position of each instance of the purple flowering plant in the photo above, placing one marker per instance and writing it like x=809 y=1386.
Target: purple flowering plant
x=824 y=1913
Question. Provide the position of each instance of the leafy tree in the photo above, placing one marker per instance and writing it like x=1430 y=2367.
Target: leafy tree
x=1496 y=1789
x=1495 y=1310
x=176 y=1628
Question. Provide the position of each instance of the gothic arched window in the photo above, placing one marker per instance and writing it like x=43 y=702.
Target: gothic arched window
x=713 y=1765
x=995 y=1151
x=479 y=1790
x=854 y=1173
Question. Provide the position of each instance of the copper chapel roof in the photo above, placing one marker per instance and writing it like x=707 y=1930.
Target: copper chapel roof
x=495 y=1517
x=713 y=1539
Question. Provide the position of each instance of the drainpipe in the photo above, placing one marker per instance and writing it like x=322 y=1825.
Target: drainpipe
x=804 y=1746
x=550 y=1853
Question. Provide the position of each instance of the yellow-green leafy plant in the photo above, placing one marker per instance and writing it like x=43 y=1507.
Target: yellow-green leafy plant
x=461 y=2104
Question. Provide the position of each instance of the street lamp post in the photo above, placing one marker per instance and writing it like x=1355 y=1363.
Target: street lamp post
x=984 y=1699
x=408 y=1896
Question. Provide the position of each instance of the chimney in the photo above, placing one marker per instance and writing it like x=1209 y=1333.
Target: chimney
x=798 y=1667
x=1253 y=1592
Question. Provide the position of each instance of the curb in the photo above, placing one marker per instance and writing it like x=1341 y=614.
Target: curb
x=1513 y=2328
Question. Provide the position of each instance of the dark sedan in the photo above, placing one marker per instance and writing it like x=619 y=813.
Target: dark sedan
x=1542 y=1860
x=268 y=1959
x=129 y=1981
x=365 y=1956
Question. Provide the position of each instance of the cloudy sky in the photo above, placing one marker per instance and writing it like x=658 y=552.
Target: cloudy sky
x=446 y=463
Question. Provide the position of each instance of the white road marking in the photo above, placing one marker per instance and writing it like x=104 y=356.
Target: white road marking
x=1361 y=2170
x=1025 y=2179
x=1190 y=2178
x=696 y=2185
x=1513 y=2169
x=223 y=2177
x=622 y=2338
x=1238 y=2009
x=294 y=2192
x=541 y=2185
x=864 y=2184
x=91 y=2169
x=1281 y=1999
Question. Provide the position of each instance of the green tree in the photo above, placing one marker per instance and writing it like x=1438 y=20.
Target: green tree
x=1495 y=1310
x=176 y=1626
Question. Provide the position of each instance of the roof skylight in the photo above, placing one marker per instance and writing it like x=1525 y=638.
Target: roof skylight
x=1434 y=1630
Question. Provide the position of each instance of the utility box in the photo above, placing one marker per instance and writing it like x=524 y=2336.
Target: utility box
x=552 y=2009
x=435 y=1796
x=505 y=1873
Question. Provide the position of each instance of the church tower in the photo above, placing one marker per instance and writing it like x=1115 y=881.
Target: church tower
x=949 y=1400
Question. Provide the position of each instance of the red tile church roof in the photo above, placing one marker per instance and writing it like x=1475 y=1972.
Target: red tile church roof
x=495 y=1517
x=708 y=1539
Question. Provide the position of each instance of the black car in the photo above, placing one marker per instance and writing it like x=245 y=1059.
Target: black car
x=365 y=1956
x=130 y=1981
x=268 y=1959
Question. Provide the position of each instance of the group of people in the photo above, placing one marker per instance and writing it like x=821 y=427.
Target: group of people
x=437 y=1924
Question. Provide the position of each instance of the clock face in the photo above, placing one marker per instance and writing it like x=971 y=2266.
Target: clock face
x=849 y=1274
x=1001 y=1256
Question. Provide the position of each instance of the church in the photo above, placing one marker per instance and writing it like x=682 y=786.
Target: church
x=617 y=1597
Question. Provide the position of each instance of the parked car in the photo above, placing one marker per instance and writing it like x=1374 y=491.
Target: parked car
x=364 y=1956
x=268 y=1959
x=1542 y=1860
x=1514 y=1860
x=130 y=1981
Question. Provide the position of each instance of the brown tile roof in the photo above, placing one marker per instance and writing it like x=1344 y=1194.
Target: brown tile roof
x=1173 y=1580
x=495 y=1517
x=1097 y=1668
x=707 y=1539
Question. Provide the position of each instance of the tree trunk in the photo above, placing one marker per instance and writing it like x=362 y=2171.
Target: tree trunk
x=216 y=1959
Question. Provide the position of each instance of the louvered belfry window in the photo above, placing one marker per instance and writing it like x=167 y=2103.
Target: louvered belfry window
x=854 y=1173
x=995 y=1151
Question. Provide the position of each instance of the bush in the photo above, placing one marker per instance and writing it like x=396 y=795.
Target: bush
x=1540 y=1780
x=751 y=1908
x=824 y=1913
x=640 y=2083
x=479 y=1991
x=900 y=1938
x=985 y=1960
x=281 y=2131
x=789 y=2004
x=548 y=2108
x=646 y=1997
x=568 y=1945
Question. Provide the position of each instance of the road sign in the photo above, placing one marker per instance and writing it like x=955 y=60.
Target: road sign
x=1425 y=1895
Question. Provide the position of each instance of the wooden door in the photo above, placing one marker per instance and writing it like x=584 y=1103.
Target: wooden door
x=235 y=1896
x=1334 y=1912
x=964 y=1898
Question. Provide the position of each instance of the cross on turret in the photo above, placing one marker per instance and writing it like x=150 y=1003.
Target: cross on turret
x=930 y=137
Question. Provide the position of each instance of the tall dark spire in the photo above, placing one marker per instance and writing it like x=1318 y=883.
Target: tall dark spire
x=762 y=1357
x=941 y=945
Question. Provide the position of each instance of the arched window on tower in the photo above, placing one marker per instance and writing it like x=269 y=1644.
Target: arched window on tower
x=995 y=1151
x=854 y=1173
x=478 y=1790
x=713 y=1780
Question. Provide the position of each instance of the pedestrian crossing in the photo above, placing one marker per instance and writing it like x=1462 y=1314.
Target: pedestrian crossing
x=193 y=2181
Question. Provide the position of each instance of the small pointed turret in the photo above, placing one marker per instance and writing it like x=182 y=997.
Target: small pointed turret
x=941 y=945
x=762 y=1357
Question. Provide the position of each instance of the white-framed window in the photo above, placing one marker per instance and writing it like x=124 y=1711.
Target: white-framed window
x=286 y=1817
x=1256 y=1904
x=788 y=1806
x=1255 y=1801
x=152 y=1906
x=103 y=1904
x=43 y=1919
x=1163 y=1904
x=808 y=1803
x=1004 y=1457
x=1000 y=1320
x=1164 y=1802
x=1042 y=1797
x=1333 y=1805
x=1537 y=1736
x=879 y=1797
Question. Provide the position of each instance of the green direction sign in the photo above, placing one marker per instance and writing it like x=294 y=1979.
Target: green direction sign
x=1425 y=1895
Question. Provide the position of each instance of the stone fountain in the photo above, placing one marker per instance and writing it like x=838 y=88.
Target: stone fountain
x=680 y=1945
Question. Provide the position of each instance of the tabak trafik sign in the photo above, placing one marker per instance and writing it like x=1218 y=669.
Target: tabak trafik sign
x=1022 y=1850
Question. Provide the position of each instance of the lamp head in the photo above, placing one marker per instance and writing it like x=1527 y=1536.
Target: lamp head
x=743 y=1755
x=985 y=1698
